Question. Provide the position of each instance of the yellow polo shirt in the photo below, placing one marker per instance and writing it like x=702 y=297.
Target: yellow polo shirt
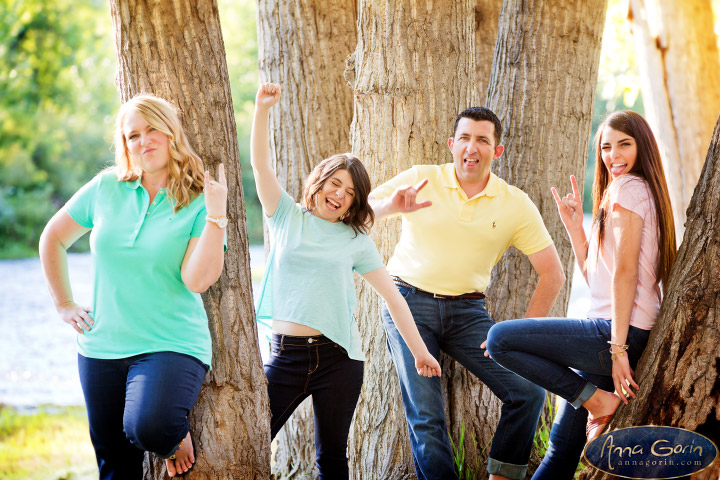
x=451 y=247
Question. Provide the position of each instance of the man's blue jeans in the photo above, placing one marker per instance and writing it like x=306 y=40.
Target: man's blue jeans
x=459 y=327
x=302 y=366
x=570 y=358
x=138 y=404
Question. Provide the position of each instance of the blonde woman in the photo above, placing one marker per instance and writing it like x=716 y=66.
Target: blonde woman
x=157 y=226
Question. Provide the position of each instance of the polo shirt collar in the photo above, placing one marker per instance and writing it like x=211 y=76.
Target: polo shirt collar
x=134 y=184
x=448 y=179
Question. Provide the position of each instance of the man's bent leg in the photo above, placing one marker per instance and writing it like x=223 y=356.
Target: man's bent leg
x=522 y=400
x=422 y=399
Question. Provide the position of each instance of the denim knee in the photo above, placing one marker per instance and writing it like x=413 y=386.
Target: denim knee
x=154 y=432
x=495 y=337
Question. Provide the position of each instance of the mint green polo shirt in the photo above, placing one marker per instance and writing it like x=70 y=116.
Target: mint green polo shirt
x=309 y=274
x=140 y=303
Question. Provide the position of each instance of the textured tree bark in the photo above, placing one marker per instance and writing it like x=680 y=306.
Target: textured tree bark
x=679 y=373
x=413 y=70
x=487 y=14
x=542 y=88
x=175 y=49
x=303 y=46
x=680 y=75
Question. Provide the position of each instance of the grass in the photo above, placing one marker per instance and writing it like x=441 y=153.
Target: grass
x=464 y=470
x=49 y=443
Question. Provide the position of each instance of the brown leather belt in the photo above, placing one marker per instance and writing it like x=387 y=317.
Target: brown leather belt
x=470 y=296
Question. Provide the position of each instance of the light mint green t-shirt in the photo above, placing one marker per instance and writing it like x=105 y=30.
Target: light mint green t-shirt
x=140 y=303
x=309 y=274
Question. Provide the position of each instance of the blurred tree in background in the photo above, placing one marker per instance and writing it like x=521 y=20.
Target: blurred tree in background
x=58 y=101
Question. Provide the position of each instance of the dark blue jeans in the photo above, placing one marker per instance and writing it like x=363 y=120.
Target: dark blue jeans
x=302 y=366
x=459 y=327
x=138 y=404
x=570 y=358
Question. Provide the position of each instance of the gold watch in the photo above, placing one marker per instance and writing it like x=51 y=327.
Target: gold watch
x=221 y=222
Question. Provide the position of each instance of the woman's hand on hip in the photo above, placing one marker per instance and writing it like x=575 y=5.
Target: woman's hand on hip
x=622 y=376
x=216 y=193
x=76 y=316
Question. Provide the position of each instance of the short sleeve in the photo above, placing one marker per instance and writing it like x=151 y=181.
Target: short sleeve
x=281 y=212
x=629 y=192
x=408 y=177
x=81 y=206
x=368 y=258
x=531 y=235
x=199 y=222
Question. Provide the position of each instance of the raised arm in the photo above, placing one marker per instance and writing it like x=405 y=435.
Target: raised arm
x=571 y=214
x=627 y=235
x=61 y=232
x=204 y=256
x=403 y=200
x=268 y=188
x=381 y=282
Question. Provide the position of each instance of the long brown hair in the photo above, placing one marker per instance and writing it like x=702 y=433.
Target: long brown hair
x=186 y=175
x=648 y=166
x=360 y=215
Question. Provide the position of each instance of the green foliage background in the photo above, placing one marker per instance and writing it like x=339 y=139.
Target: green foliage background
x=58 y=100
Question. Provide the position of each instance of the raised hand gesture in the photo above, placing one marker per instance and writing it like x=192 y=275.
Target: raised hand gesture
x=267 y=95
x=570 y=207
x=404 y=199
x=216 y=193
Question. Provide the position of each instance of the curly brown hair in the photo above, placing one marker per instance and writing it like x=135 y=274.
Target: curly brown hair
x=360 y=215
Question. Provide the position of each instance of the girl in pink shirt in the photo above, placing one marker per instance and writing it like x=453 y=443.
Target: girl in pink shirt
x=625 y=262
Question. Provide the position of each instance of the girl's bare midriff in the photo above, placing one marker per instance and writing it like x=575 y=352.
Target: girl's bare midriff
x=294 y=329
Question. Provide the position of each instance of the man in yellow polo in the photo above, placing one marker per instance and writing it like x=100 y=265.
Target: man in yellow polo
x=457 y=221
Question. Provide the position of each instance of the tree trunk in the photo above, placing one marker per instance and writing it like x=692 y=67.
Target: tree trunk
x=487 y=13
x=680 y=74
x=542 y=88
x=679 y=374
x=303 y=46
x=413 y=71
x=175 y=49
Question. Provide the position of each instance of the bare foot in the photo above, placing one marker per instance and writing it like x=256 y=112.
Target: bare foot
x=602 y=403
x=184 y=458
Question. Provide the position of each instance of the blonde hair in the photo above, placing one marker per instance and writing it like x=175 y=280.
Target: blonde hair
x=186 y=173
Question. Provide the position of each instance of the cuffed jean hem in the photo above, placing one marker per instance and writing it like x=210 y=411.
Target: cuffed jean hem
x=509 y=470
x=584 y=395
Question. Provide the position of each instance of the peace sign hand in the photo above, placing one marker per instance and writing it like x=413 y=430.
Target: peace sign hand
x=216 y=193
x=570 y=207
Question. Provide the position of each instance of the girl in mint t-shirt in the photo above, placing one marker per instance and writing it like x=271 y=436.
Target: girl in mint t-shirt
x=308 y=292
x=157 y=233
x=627 y=256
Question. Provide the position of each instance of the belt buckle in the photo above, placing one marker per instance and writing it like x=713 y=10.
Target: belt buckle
x=440 y=295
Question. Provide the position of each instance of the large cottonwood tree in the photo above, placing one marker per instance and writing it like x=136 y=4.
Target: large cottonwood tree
x=303 y=46
x=679 y=373
x=679 y=67
x=175 y=49
x=413 y=71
